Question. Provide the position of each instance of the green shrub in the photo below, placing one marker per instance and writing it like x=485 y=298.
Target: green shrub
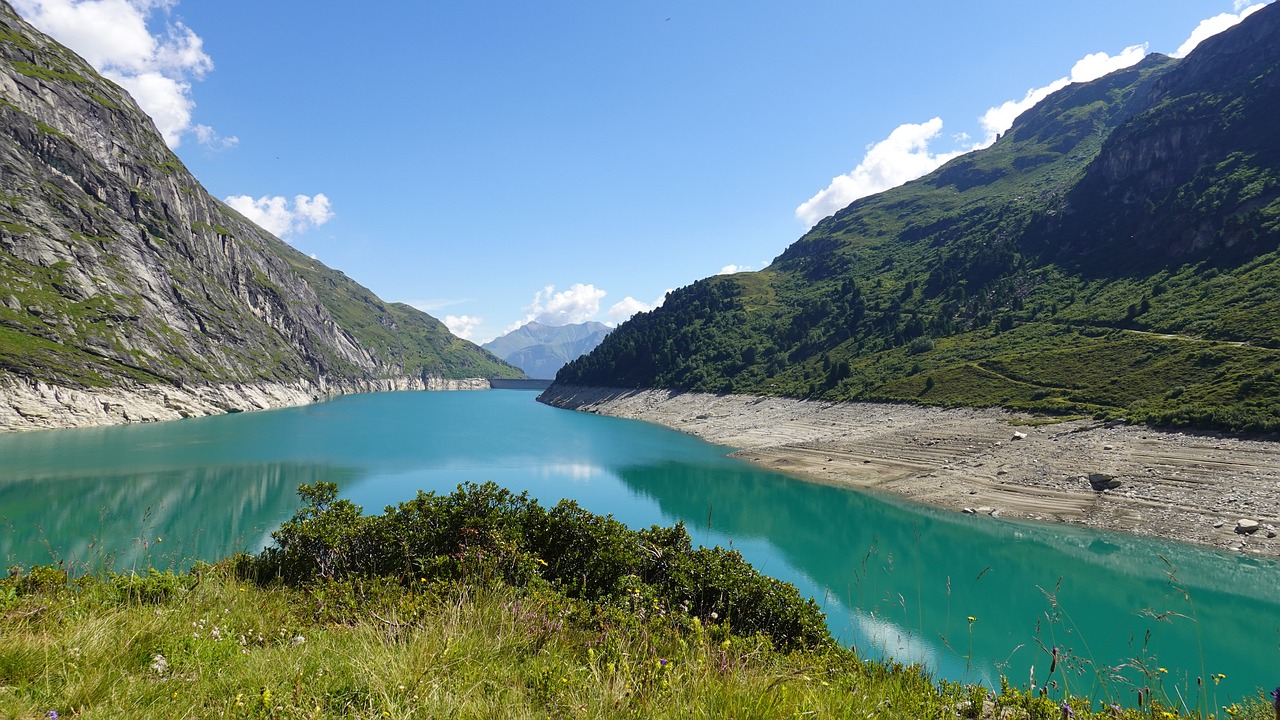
x=487 y=535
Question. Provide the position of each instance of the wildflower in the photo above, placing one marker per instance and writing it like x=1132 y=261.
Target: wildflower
x=1218 y=678
x=1275 y=701
x=972 y=619
x=52 y=715
x=1163 y=670
x=1067 y=712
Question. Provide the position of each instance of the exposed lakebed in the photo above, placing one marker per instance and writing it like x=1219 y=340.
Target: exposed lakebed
x=896 y=579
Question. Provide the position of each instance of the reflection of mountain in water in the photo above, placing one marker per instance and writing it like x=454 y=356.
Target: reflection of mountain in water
x=163 y=517
x=926 y=570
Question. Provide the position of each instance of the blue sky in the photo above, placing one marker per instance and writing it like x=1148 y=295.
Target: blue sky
x=496 y=162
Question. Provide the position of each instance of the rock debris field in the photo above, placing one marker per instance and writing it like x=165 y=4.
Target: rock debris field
x=1187 y=486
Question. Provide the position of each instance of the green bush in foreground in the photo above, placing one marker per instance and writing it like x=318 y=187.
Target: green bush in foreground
x=343 y=632
x=487 y=534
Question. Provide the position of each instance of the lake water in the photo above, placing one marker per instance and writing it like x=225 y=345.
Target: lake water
x=894 y=580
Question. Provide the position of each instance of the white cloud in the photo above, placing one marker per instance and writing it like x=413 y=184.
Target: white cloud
x=112 y=35
x=275 y=214
x=578 y=304
x=906 y=154
x=208 y=137
x=628 y=306
x=731 y=269
x=1216 y=24
x=1000 y=118
x=901 y=157
x=463 y=325
x=431 y=307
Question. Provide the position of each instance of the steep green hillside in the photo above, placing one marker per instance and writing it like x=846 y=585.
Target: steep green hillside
x=1114 y=254
x=117 y=268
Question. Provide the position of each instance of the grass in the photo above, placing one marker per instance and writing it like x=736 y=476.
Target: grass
x=207 y=644
x=267 y=637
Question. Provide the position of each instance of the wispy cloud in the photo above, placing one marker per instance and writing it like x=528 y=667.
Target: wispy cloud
x=113 y=36
x=278 y=216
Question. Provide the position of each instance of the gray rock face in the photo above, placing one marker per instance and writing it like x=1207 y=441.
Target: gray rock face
x=128 y=292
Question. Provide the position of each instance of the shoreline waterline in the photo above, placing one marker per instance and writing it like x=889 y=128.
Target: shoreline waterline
x=1183 y=486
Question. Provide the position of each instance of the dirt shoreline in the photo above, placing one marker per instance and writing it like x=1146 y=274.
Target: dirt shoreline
x=1186 y=486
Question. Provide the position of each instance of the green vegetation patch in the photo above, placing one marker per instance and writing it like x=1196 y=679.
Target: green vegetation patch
x=473 y=615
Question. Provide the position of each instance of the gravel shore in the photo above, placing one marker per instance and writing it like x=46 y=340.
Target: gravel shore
x=1192 y=487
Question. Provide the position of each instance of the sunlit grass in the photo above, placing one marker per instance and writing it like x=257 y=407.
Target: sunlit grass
x=208 y=644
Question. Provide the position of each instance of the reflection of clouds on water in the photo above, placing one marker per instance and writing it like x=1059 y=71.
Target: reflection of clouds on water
x=574 y=472
x=877 y=636
x=890 y=640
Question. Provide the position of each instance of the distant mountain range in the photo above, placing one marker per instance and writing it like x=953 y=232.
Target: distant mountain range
x=1114 y=254
x=119 y=272
x=541 y=350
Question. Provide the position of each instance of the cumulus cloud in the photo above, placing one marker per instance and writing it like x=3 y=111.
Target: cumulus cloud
x=908 y=154
x=113 y=36
x=1000 y=118
x=463 y=325
x=901 y=157
x=277 y=216
x=628 y=306
x=731 y=269
x=1216 y=24
x=578 y=304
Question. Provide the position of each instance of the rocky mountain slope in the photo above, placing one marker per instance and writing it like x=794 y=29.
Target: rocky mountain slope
x=1114 y=254
x=127 y=292
x=541 y=350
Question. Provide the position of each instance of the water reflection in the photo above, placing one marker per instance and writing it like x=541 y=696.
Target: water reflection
x=164 y=518
x=904 y=581
x=896 y=580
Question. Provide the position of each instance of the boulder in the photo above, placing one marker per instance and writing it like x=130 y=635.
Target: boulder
x=1103 y=481
x=1245 y=526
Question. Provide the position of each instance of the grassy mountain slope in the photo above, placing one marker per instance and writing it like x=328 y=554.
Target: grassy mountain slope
x=1113 y=254
x=116 y=266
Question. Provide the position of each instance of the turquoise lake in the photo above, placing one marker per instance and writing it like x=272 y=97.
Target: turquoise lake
x=895 y=580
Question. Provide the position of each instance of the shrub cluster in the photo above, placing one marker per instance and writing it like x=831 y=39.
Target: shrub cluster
x=487 y=534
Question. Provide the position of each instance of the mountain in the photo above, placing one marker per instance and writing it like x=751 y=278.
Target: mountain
x=541 y=350
x=120 y=274
x=1113 y=254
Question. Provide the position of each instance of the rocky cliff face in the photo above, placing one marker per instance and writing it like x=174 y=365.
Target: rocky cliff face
x=119 y=273
x=1189 y=175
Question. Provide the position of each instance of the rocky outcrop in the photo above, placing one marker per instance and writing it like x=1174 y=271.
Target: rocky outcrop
x=35 y=405
x=120 y=276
